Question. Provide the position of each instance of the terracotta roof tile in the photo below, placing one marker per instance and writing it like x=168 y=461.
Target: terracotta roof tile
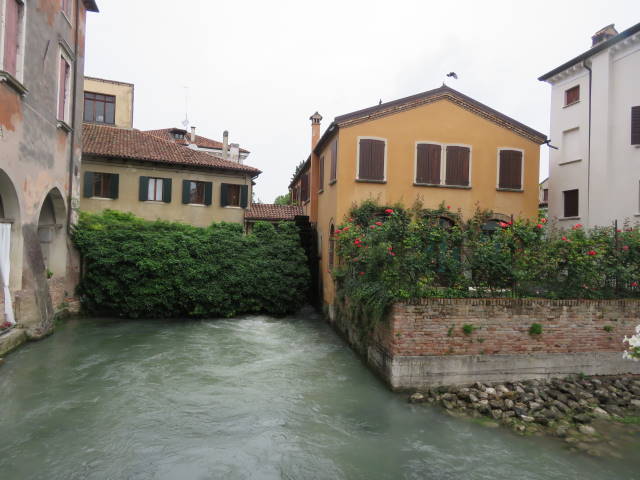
x=104 y=141
x=202 y=142
x=269 y=211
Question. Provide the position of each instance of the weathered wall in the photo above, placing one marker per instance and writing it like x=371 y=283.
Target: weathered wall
x=423 y=343
x=128 y=196
x=124 y=98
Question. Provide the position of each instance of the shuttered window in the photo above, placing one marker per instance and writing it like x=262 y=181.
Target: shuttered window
x=234 y=195
x=570 y=198
x=334 y=161
x=635 y=125
x=321 y=173
x=155 y=189
x=572 y=95
x=510 y=170
x=371 y=160
x=304 y=187
x=457 y=166
x=63 y=89
x=12 y=21
x=198 y=193
x=428 y=163
x=103 y=185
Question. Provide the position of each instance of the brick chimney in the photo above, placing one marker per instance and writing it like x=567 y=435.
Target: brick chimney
x=316 y=118
x=225 y=145
x=193 y=134
x=603 y=35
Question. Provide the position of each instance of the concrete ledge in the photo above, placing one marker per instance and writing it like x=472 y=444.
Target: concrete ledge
x=12 y=340
x=410 y=373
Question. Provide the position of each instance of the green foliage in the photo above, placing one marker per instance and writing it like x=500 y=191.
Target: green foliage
x=468 y=328
x=283 y=199
x=136 y=268
x=608 y=328
x=535 y=329
x=389 y=253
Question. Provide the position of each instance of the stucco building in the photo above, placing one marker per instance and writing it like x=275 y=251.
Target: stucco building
x=108 y=102
x=41 y=84
x=594 y=175
x=437 y=146
x=154 y=178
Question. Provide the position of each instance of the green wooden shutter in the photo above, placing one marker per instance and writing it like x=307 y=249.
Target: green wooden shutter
x=166 y=190
x=208 y=191
x=186 y=193
x=143 y=191
x=224 y=195
x=244 y=195
x=114 y=187
x=88 y=184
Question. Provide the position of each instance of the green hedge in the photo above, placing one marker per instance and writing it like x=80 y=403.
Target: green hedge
x=137 y=268
x=390 y=253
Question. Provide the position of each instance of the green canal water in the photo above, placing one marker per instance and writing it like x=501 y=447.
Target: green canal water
x=246 y=398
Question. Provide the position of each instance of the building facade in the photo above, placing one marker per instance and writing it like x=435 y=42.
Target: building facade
x=156 y=179
x=594 y=175
x=42 y=48
x=108 y=102
x=437 y=146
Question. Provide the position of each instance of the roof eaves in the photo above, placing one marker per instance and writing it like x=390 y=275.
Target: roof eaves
x=592 y=51
x=304 y=167
x=326 y=137
x=91 y=5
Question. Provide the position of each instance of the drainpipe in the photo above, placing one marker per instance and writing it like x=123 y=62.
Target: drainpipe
x=73 y=115
x=584 y=64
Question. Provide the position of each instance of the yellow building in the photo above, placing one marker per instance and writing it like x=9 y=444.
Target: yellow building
x=108 y=102
x=437 y=146
x=154 y=178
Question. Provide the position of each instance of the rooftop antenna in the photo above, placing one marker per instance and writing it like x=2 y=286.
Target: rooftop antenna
x=185 y=122
x=453 y=75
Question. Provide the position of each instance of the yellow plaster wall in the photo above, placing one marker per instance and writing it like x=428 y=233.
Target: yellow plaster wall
x=128 y=200
x=124 y=98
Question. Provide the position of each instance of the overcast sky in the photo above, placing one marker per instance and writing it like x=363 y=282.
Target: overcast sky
x=260 y=68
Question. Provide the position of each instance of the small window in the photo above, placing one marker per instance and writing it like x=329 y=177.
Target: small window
x=428 y=161
x=572 y=95
x=371 y=160
x=635 y=125
x=457 y=166
x=196 y=192
x=178 y=135
x=64 y=90
x=321 y=174
x=99 y=108
x=545 y=195
x=233 y=195
x=155 y=189
x=102 y=185
x=334 y=160
x=570 y=203
x=510 y=170
x=304 y=187
x=13 y=35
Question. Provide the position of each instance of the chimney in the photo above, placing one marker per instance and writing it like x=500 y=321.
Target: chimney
x=316 y=118
x=225 y=145
x=193 y=134
x=603 y=35
x=234 y=152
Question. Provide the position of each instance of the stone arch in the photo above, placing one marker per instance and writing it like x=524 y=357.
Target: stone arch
x=10 y=212
x=52 y=224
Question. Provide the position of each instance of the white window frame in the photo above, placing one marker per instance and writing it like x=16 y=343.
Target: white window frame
x=63 y=53
x=386 y=147
x=443 y=164
x=21 y=40
x=521 y=189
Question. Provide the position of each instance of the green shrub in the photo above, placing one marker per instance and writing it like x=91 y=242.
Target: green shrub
x=535 y=329
x=136 y=268
x=468 y=328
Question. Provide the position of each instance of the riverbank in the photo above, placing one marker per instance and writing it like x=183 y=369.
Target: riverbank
x=590 y=414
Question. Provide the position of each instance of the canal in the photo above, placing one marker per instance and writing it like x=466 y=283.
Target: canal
x=246 y=398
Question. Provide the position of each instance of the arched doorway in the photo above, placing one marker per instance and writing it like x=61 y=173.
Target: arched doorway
x=10 y=246
x=51 y=233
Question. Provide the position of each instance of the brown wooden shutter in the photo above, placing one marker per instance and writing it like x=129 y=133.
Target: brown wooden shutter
x=321 y=173
x=510 y=173
x=572 y=95
x=12 y=28
x=635 y=125
x=371 y=161
x=334 y=160
x=428 y=164
x=305 y=187
x=571 y=206
x=457 y=169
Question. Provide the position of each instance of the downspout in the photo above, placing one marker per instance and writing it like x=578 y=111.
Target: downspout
x=73 y=115
x=584 y=64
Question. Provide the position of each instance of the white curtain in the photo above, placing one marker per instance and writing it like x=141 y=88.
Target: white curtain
x=5 y=268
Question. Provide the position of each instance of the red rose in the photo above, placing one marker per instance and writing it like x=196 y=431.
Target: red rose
x=448 y=207
x=634 y=284
x=388 y=210
x=392 y=254
x=592 y=253
x=379 y=224
x=564 y=239
x=625 y=247
x=372 y=226
x=361 y=273
x=504 y=225
x=539 y=226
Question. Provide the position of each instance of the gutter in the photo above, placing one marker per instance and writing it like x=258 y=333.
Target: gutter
x=584 y=64
x=74 y=127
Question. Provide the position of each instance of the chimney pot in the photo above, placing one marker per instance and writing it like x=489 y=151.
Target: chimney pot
x=316 y=118
x=193 y=134
x=603 y=35
x=225 y=145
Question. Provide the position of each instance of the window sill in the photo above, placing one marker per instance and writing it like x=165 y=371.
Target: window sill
x=360 y=180
x=437 y=185
x=62 y=125
x=156 y=202
x=562 y=219
x=517 y=190
x=196 y=204
x=333 y=182
x=102 y=198
x=94 y=122
x=321 y=190
x=569 y=162
x=13 y=82
x=571 y=104
x=237 y=207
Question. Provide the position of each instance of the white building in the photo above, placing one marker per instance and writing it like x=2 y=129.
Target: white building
x=595 y=124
